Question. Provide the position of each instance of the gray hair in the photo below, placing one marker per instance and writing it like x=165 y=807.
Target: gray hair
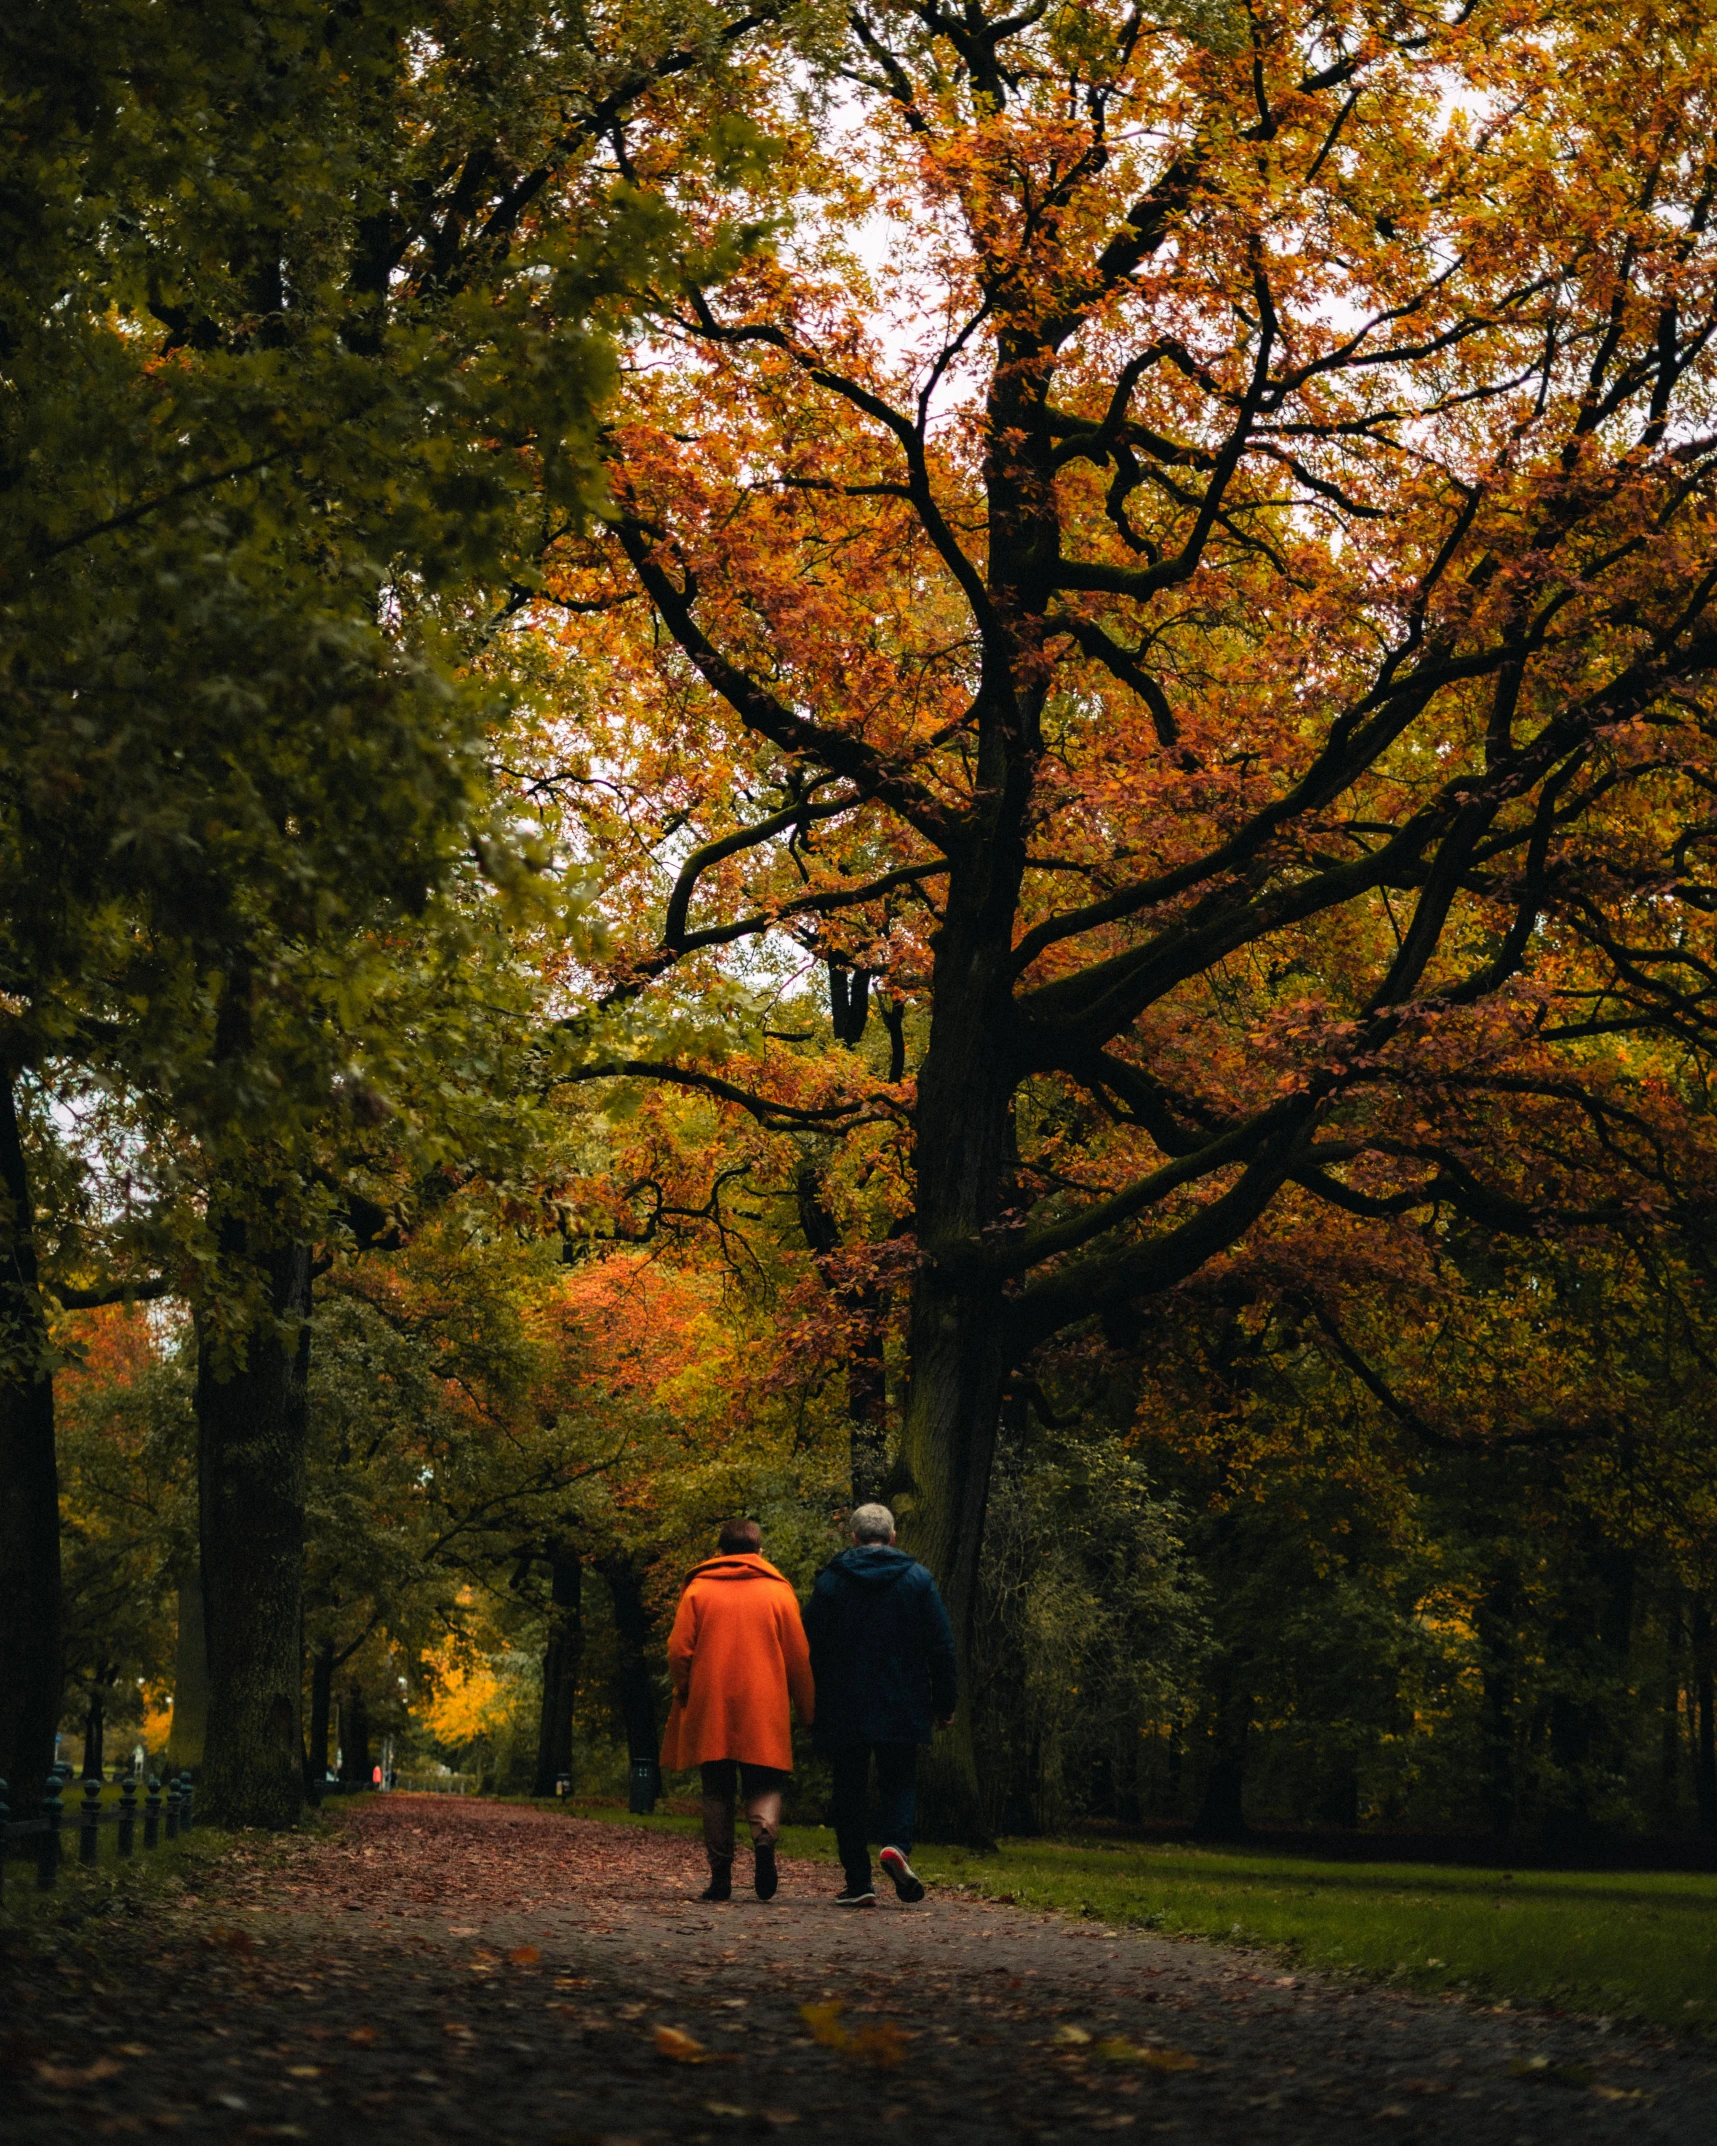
x=870 y=1523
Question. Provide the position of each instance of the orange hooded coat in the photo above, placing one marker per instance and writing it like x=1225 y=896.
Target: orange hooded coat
x=736 y=1651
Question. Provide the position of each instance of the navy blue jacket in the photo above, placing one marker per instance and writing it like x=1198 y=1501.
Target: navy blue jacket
x=882 y=1650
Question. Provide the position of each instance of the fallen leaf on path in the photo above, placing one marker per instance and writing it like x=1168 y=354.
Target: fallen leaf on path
x=362 y=2035
x=824 y=2023
x=1071 y=2037
x=134 y=2049
x=725 y=2108
x=1543 y=2068
x=304 y=2071
x=1116 y=2049
x=524 y=1956
x=883 y=2044
x=69 y=2075
x=683 y=2048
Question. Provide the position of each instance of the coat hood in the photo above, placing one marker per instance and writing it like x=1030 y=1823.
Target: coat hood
x=736 y=1566
x=873 y=1564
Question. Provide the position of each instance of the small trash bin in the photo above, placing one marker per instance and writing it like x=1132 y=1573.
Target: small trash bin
x=646 y=1785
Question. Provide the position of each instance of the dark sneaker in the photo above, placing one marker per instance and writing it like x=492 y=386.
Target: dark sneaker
x=856 y=1896
x=720 y=1886
x=768 y=1877
x=907 y=1883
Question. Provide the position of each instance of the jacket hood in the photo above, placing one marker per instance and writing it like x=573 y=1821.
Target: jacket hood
x=873 y=1564
x=736 y=1566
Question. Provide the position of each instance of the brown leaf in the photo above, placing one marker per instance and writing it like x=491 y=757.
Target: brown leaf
x=884 y=2044
x=682 y=2048
x=70 y=2075
x=362 y=2035
x=524 y=1956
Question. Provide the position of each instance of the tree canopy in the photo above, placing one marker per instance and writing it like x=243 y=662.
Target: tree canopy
x=961 y=754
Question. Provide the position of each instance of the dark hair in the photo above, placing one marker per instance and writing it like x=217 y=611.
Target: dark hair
x=740 y=1537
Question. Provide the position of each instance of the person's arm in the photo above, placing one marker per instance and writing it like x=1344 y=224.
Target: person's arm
x=796 y=1653
x=682 y=1645
x=816 y=1620
x=938 y=1636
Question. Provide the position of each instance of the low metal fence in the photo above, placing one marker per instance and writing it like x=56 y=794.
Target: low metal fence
x=165 y=1814
x=437 y=1784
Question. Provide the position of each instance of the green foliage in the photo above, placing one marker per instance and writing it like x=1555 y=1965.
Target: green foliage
x=127 y=1459
x=1091 y=1626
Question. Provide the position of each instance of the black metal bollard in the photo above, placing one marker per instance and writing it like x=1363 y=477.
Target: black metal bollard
x=646 y=1786
x=127 y=1816
x=185 y=1788
x=90 y=1821
x=172 y=1806
x=48 y=1841
x=152 y=1813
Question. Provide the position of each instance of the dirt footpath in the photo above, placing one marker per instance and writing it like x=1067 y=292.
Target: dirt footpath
x=443 y=1970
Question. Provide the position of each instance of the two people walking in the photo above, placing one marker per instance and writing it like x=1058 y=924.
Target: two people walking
x=870 y=1669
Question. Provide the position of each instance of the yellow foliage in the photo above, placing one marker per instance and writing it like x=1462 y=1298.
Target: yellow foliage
x=469 y=1700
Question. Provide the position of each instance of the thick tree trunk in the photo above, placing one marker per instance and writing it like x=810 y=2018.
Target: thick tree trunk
x=563 y=1650
x=250 y=1447
x=1222 y=1807
x=356 y=1765
x=1669 y=1715
x=1497 y=1639
x=1705 y=1712
x=958 y=1367
x=190 y=1721
x=321 y=1713
x=95 y=1735
x=958 y=1327
x=30 y=1664
x=635 y=1689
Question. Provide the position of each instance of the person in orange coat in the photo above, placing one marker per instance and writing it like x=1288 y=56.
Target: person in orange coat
x=736 y=1653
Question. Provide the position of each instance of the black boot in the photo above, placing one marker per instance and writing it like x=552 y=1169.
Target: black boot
x=768 y=1878
x=720 y=1886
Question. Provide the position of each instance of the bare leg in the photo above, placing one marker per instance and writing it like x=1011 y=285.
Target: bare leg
x=763 y=1816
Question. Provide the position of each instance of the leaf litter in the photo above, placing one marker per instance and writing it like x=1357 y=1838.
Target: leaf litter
x=994 y=2022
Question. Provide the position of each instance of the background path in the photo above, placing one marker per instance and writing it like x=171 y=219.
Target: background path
x=447 y=1970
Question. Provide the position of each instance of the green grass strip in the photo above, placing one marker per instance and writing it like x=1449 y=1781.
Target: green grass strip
x=1630 y=1945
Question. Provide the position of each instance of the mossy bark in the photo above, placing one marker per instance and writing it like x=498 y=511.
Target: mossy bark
x=30 y=1634
x=250 y=1449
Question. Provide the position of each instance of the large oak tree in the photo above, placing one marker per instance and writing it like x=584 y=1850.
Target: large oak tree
x=1190 y=565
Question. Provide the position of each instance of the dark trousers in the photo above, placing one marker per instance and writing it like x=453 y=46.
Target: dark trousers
x=896 y=1784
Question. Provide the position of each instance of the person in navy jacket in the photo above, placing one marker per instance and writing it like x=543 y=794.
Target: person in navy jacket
x=882 y=1657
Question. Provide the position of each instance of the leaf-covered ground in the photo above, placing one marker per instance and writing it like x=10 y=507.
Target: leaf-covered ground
x=441 y=1969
